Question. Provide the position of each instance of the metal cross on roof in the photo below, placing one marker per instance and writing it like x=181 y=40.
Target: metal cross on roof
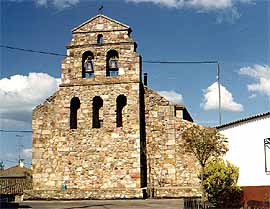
x=100 y=9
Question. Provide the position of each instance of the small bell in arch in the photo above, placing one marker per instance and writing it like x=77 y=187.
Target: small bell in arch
x=88 y=64
x=113 y=62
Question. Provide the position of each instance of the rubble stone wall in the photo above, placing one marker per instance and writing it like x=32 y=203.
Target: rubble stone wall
x=108 y=162
x=86 y=157
x=173 y=172
x=116 y=37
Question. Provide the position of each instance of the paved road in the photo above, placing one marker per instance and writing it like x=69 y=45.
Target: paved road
x=105 y=204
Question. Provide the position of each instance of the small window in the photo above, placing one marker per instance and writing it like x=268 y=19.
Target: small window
x=74 y=106
x=88 y=64
x=97 y=121
x=178 y=113
x=112 y=63
x=121 y=102
x=100 y=39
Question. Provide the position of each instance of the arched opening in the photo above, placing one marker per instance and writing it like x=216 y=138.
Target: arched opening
x=97 y=116
x=112 y=63
x=100 y=39
x=88 y=64
x=121 y=102
x=74 y=106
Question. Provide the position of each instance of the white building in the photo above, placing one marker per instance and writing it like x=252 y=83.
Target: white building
x=247 y=148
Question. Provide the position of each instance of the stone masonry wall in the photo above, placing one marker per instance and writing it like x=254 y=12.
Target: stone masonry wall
x=86 y=157
x=174 y=173
x=108 y=162
x=115 y=36
x=91 y=162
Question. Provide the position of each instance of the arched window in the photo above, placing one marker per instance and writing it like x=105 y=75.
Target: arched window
x=112 y=63
x=88 y=64
x=121 y=102
x=97 y=116
x=74 y=106
x=100 y=39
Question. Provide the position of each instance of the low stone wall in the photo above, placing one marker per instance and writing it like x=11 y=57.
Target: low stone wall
x=72 y=194
x=177 y=192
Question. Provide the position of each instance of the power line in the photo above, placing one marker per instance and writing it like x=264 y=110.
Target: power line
x=30 y=50
x=16 y=131
x=145 y=61
x=181 y=62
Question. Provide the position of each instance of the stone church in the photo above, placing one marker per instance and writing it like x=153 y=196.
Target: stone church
x=104 y=134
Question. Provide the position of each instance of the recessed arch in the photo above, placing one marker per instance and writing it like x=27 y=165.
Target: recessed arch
x=74 y=106
x=97 y=120
x=87 y=64
x=121 y=102
x=100 y=39
x=112 y=64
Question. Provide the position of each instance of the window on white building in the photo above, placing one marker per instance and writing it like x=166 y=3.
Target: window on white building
x=267 y=155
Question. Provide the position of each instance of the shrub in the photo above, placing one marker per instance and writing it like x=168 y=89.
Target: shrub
x=220 y=184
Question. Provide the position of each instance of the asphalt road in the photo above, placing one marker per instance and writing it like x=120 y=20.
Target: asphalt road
x=105 y=204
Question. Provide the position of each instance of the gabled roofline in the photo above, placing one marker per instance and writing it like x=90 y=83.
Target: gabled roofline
x=186 y=114
x=258 y=116
x=100 y=15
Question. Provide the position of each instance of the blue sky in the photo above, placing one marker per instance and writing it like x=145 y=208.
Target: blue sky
x=234 y=32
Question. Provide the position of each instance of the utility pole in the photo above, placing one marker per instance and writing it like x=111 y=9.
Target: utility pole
x=219 y=93
x=19 y=146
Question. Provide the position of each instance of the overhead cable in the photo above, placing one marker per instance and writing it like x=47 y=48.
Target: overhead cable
x=145 y=61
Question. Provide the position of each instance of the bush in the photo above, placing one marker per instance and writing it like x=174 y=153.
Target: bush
x=220 y=184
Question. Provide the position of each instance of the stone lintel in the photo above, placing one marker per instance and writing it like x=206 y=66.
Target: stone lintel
x=101 y=31
x=96 y=45
x=97 y=83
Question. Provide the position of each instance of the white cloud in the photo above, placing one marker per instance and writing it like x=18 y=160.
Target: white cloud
x=198 y=4
x=228 y=15
x=172 y=96
x=252 y=96
x=27 y=152
x=211 y=99
x=20 y=94
x=59 y=4
x=62 y=4
x=41 y=2
x=261 y=75
x=226 y=10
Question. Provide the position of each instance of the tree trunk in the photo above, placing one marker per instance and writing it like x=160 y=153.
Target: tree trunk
x=202 y=187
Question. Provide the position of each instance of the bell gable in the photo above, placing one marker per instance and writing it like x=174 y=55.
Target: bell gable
x=100 y=23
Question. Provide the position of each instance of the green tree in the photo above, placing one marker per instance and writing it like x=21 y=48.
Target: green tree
x=204 y=144
x=220 y=183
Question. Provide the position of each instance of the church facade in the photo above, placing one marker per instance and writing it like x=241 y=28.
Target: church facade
x=104 y=134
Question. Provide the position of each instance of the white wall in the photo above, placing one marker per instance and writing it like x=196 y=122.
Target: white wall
x=246 y=150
